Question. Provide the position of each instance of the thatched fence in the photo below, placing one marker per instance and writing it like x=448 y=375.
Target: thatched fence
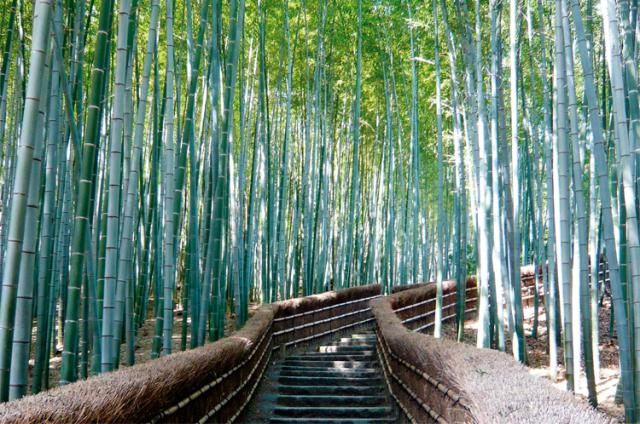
x=438 y=380
x=210 y=384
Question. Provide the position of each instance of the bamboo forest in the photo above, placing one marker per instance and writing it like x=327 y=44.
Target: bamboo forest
x=172 y=172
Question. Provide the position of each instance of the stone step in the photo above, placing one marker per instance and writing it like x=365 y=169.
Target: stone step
x=369 y=343
x=333 y=412
x=346 y=349
x=320 y=356
x=317 y=390
x=330 y=400
x=329 y=363
x=328 y=372
x=368 y=351
x=326 y=381
x=283 y=367
x=360 y=337
x=339 y=383
x=293 y=420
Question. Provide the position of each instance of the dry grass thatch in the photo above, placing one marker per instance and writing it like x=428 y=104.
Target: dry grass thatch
x=140 y=392
x=423 y=292
x=411 y=357
x=416 y=307
x=503 y=391
x=436 y=379
x=187 y=386
x=314 y=302
x=304 y=319
x=527 y=275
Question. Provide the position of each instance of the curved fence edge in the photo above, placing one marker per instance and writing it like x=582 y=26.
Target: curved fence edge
x=439 y=380
x=213 y=383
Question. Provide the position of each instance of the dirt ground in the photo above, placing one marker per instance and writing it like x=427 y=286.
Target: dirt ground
x=538 y=357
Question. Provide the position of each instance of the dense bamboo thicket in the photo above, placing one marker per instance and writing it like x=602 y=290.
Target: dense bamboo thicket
x=170 y=163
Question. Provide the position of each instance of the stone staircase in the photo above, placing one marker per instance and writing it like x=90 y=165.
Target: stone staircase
x=341 y=382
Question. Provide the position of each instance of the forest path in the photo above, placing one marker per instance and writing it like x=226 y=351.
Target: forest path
x=339 y=382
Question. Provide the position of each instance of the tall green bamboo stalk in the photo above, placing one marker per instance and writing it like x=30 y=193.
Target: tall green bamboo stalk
x=21 y=182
